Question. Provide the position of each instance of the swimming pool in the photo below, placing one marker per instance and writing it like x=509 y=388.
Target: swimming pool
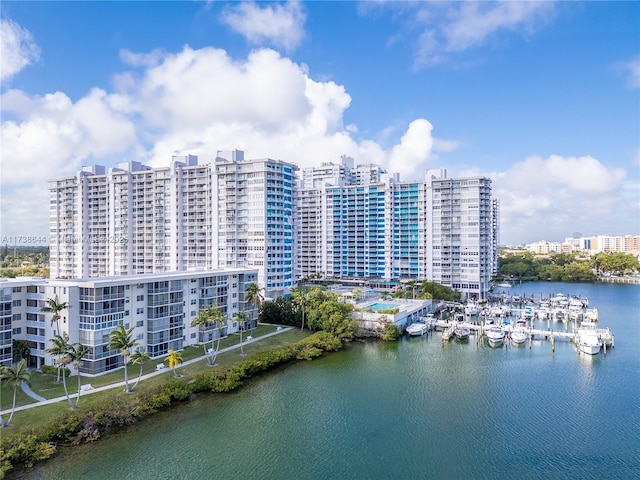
x=383 y=306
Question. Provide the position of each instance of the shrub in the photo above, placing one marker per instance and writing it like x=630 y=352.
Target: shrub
x=390 y=332
x=51 y=370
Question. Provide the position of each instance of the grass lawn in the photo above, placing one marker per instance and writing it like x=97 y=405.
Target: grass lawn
x=45 y=385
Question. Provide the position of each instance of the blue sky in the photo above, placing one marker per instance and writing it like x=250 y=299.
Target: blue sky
x=543 y=97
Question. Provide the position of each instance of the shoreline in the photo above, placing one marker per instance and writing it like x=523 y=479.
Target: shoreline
x=89 y=423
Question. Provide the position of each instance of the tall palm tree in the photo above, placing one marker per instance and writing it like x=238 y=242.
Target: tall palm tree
x=203 y=320
x=241 y=317
x=253 y=295
x=55 y=306
x=174 y=359
x=216 y=316
x=300 y=300
x=74 y=355
x=122 y=339
x=138 y=358
x=14 y=377
x=58 y=349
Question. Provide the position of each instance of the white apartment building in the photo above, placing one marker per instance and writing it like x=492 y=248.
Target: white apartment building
x=134 y=219
x=462 y=234
x=159 y=307
x=378 y=227
x=255 y=218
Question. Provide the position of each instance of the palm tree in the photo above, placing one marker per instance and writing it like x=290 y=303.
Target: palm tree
x=14 y=377
x=138 y=358
x=74 y=355
x=300 y=300
x=253 y=296
x=241 y=317
x=59 y=348
x=55 y=306
x=122 y=339
x=174 y=359
x=203 y=320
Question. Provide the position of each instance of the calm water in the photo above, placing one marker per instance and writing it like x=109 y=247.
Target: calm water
x=416 y=409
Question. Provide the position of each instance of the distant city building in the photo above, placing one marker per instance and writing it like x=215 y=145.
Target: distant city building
x=591 y=245
x=159 y=307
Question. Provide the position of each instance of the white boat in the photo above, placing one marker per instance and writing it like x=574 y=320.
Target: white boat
x=462 y=332
x=591 y=315
x=588 y=339
x=446 y=333
x=416 y=329
x=589 y=343
x=528 y=313
x=518 y=337
x=471 y=309
x=495 y=336
x=504 y=285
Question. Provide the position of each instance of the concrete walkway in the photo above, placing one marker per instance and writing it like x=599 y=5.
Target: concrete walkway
x=31 y=393
x=148 y=375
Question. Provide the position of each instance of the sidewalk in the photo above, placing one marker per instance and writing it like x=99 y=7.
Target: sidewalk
x=148 y=375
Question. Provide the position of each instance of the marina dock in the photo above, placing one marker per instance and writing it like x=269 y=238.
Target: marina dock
x=533 y=333
x=526 y=319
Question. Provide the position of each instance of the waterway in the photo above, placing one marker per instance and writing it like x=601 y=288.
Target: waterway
x=415 y=409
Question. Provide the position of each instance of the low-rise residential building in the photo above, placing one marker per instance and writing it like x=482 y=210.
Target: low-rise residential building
x=159 y=307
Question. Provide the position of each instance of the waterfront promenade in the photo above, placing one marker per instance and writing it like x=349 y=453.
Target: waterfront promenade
x=89 y=391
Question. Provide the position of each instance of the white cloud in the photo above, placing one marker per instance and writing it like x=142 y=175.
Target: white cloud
x=197 y=102
x=410 y=156
x=24 y=211
x=17 y=49
x=631 y=69
x=278 y=25
x=474 y=22
x=555 y=196
x=52 y=135
x=443 y=30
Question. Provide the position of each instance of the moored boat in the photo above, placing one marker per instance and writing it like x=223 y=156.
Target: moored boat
x=495 y=336
x=588 y=339
x=462 y=332
x=518 y=337
x=417 y=328
x=471 y=309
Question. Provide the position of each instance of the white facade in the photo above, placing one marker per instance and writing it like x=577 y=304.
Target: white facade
x=378 y=227
x=160 y=308
x=462 y=234
x=137 y=220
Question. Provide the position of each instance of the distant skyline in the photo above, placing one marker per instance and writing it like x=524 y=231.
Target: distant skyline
x=543 y=97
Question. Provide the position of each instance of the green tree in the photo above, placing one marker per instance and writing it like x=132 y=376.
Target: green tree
x=254 y=297
x=329 y=314
x=55 y=306
x=217 y=317
x=299 y=299
x=59 y=349
x=21 y=349
x=204 y=322
x=241 y=318
x=14 y=377
x=122 y=339
x=74 y=355
x=138 y=358
x=390 y=332
x=174 y=359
